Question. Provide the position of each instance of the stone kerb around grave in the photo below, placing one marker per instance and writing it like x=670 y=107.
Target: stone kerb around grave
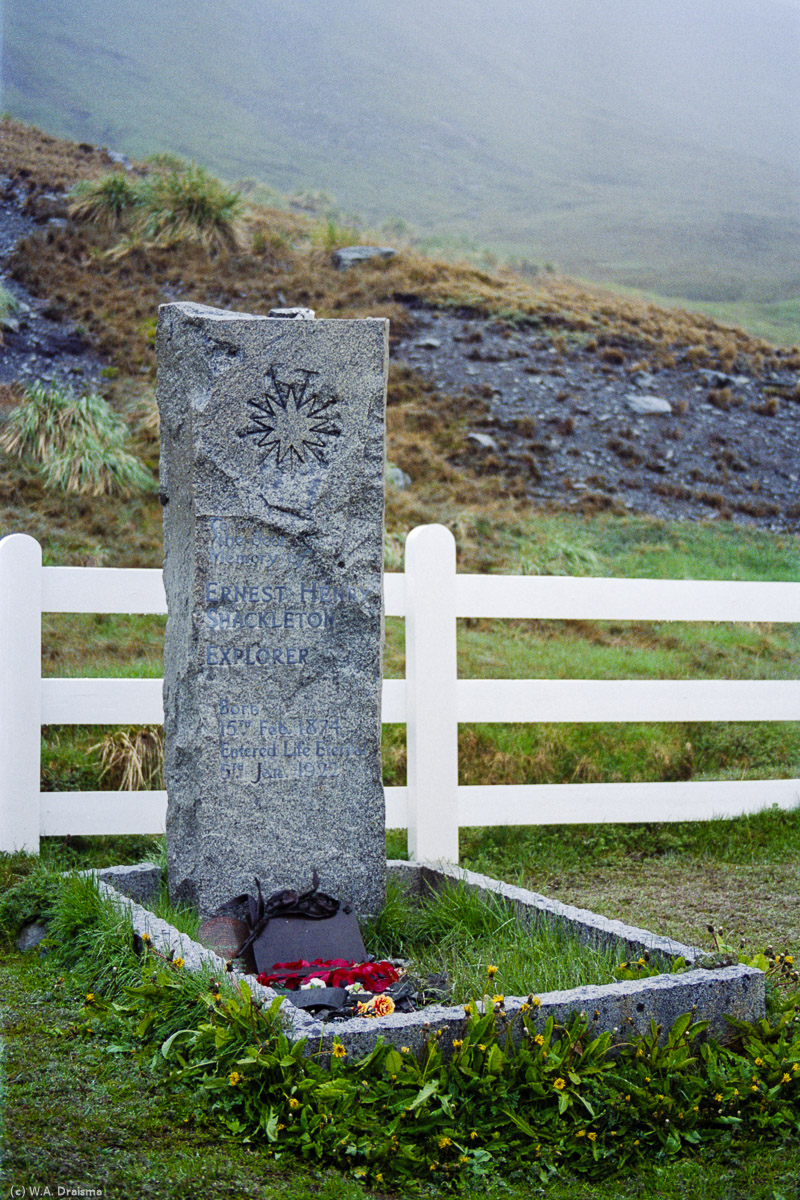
x=272 y=487
x=623 y=1008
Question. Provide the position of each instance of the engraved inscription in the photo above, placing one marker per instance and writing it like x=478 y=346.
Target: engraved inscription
x=255 y=748
x=294 y=419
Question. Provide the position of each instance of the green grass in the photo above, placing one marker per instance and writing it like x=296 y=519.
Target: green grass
x=457 y=934
x=133 y=1132
x=9 y=305
x=777 y=321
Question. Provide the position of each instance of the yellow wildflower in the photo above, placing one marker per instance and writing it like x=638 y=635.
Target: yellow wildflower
x=473 y=1135
x=338 y=1050
x=539 y=1039
x=759 y=1062
x=491 y=971
x=458 y=1043
x=178 y=962
x=234 y=1078
x=581 y=1133
x=786 y=1078
x=718 y=1097
x=444 y=1142
x=498 y=999
x=560 y=1084
x=536 y=1002
x=294 y=1102
x=404 y=1050
x=90 y=997
x=592 y=1136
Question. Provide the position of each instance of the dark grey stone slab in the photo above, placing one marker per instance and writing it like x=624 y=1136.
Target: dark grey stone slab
x=272 y=484
x=140 y=881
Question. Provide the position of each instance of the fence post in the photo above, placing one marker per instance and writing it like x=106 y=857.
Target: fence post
x=20 y=691
x=431 y=668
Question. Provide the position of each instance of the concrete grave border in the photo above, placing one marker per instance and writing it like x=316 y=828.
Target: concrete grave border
x=624 y=1008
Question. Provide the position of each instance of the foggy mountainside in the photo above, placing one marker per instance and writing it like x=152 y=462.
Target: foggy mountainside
x=654 y=146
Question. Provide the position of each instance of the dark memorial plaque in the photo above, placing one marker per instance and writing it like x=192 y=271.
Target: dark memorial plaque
x=289 y=939
x=272 y=484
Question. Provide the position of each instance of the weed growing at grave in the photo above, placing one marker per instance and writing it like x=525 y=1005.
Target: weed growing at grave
x=77 y=443
x=508 y=1102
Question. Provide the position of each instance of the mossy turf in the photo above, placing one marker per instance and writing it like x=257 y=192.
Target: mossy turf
x=116 y=1129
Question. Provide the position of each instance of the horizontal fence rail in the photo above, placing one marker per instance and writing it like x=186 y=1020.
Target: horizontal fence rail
x=431 y=701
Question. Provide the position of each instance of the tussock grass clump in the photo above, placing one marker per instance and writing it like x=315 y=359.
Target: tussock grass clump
x=176 y=203
x=133 y=759
x=78 y=443
x=108 y=201
x=186 y=204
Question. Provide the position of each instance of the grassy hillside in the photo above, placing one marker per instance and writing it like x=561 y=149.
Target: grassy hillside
x=624 y=150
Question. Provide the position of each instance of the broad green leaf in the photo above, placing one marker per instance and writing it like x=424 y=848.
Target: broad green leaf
x=430 y=1089
x=167 y=1045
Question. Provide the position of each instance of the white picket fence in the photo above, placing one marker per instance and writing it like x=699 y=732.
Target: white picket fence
x=431 y=701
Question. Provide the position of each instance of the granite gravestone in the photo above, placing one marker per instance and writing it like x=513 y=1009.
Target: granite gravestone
x=272 y=463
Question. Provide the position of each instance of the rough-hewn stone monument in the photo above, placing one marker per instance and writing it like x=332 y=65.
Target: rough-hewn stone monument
x=272 y=485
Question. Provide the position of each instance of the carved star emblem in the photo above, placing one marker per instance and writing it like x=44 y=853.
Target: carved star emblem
x=294 y=421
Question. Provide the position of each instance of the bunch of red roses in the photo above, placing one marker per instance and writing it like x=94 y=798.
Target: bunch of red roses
x=374 y=977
